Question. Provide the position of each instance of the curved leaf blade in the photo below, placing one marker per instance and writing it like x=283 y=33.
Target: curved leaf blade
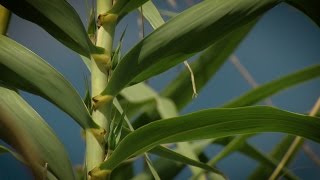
x=275 y=86
x=174 y=156
x=124 y=6
x=309 y=7
x=183 y=36
x=213 y=123
x=25 y=70
x=205 y=67
x=46 y=143
x=57 y=17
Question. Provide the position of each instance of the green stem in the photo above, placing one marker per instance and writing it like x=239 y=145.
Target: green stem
x=95 y=150
x=4 y=19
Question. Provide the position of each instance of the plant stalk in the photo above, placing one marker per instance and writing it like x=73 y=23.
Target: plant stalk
x=4 y=19
x=297 y=142
x=95 y=148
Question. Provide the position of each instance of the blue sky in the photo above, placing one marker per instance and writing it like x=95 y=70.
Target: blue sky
x=283 y=41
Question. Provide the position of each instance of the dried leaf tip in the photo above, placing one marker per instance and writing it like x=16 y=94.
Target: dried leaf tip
x=100 y=100
x=98 y=174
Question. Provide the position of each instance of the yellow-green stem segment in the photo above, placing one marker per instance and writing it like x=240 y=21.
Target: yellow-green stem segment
x=95 y=150
x=4 y=19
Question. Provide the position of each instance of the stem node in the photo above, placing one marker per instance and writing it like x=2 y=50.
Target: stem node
x=98 y=174
x=107 y=18
x=100 y=100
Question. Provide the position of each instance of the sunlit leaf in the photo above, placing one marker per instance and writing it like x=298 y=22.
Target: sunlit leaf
x=25 y=70
x=213 y=123
x=29 y=124
x=181 y=37
x=205 y=67
x=151 y=13
x=58 y=18
x=124 y=6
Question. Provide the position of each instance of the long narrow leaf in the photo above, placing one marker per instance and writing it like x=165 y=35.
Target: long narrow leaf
x=25 y=70
x=275 y=86
x=169 y=169
x=213 y=123
x=174 y=156
x=47 y=145
x=205 y=67
x=58 y=18
x=181 y=37
x=124 y=6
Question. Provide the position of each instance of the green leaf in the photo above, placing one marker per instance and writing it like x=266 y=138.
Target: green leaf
x=166 y=108
x=275 y=86
x=27 y=123
x=213 y=123
x=309 y=7
x=169 y=169
x=181 y=37
x=25 y=70
x=167 y=153
x=138 y=93
x=239 y=143
x=124 y=6
x=151 y=13
x=174 y=156
x=117 y=53
x=58 y=18
x=205 y=67
x=152 y=169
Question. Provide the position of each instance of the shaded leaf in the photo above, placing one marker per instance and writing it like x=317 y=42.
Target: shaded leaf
x=309 y=7
x=58 y=18
x=181 y=37
x=174 y=156
x=213 y=123
x=29 y=124
x=25 y=70
x=152 y=169
x=169 y=169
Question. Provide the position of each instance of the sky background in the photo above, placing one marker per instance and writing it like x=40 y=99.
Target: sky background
x=283 y=41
